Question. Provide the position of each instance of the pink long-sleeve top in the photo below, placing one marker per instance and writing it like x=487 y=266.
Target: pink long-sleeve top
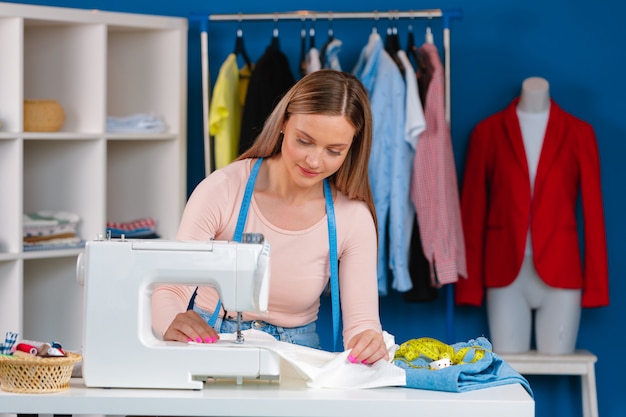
x=299 y=260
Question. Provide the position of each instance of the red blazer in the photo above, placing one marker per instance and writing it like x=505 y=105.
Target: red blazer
x=496 y=208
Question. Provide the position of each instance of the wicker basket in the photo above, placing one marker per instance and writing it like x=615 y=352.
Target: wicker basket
x=43 y=116
x=36 y=374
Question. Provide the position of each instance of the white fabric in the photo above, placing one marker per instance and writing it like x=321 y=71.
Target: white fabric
x=322 y=369
x=533 y=127
x=313 y=62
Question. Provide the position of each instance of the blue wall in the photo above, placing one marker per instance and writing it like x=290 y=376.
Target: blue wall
x=575 y=45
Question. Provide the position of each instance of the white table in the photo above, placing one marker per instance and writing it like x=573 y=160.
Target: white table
x=287 y=398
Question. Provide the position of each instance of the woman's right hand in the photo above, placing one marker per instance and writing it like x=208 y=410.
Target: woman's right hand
x=188 y=327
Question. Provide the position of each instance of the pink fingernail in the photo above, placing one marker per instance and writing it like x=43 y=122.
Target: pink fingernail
x=351 y=358
x=198 y=339
x=364 y=361
x=208 y=340
x=189 y=339
x=213 y=339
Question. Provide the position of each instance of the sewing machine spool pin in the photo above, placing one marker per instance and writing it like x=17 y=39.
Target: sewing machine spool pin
x=240 y=339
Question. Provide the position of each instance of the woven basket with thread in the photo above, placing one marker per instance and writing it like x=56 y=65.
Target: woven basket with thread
x=43 y=116
x=37 y=374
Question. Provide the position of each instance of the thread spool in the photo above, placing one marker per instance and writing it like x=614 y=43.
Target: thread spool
x=24 y=347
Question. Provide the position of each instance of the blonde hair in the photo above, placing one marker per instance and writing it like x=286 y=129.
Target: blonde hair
x=333 y=93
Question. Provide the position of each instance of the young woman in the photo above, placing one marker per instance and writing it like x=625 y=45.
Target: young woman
x=313 y=151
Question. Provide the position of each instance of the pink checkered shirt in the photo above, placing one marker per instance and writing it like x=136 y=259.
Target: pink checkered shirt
x=434 y=190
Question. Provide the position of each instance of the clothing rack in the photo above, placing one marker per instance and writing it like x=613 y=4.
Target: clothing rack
x=446 y=15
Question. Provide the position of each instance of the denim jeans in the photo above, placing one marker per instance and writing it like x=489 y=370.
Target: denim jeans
x=303 y=335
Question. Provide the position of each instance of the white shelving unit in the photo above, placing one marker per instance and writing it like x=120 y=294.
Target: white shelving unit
x=95 y=64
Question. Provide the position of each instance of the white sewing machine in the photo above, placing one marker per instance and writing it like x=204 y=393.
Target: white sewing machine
x=119 y=347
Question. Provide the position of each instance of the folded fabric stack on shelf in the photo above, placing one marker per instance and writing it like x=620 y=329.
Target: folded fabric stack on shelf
x=143 y=228
x=45 y=230
x=136 y=123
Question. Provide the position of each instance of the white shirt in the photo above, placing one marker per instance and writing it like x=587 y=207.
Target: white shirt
x=533 y=126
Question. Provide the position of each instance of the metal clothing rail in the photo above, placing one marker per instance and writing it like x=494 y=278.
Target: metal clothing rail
x=446 y=15
x=308 y=14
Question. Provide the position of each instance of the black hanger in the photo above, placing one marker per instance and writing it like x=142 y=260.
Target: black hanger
x=312 y=35
x=303 y=50
x=275 y=41
x=331 y=37
x=240 y=49
x=392 y=46
x=411 y=47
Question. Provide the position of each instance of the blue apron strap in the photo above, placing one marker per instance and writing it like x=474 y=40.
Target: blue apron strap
x=247 y=198
x=241 y=223
x=334 y=268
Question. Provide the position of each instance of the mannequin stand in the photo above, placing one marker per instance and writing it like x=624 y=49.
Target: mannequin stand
x=581 y=362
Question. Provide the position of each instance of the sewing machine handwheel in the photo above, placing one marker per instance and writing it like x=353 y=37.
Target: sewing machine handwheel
x=80 y=269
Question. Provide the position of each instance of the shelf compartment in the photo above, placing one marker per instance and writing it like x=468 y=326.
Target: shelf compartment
x=143 y=181
x=66 y=175
x=53 y=302
x=66 y=62
x=141 y=78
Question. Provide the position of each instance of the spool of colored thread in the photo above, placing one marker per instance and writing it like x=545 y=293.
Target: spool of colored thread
x=23 y=347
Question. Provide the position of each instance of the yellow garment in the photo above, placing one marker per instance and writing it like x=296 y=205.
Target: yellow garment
x=225 y=113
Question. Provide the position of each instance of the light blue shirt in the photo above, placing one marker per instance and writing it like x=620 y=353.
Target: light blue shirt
x=390 y=162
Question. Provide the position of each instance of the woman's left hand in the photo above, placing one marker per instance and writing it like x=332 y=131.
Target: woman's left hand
x=367 y=347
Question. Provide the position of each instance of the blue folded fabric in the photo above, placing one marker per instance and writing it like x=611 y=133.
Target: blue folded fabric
x=136 y=123
x=489 y=371
x=146 y=232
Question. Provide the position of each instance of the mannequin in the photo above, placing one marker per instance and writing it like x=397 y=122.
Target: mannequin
x=510 y=309
x=527 y=167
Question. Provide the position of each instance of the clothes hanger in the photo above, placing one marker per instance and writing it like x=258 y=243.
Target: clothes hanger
x=312 y=35
x=411 y=48
x=374 y=36
x=331 y=37
x=375 y=26
x=429 y=32
x=275 y=41
x=395 y=38
x=392 y=41
x=240 y=49
x=303 y=49
x=392 y=45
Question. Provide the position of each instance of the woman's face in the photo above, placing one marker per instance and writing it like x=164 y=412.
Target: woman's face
x=314 y=146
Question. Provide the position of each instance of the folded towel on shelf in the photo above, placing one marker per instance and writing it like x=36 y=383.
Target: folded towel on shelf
x=136 y=123
x=54 y=244
x=43 y=218
x=46 y=229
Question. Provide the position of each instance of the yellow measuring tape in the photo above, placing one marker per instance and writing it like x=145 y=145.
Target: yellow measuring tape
x=434 y=350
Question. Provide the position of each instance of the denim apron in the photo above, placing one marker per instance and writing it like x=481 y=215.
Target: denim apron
x=303 y=335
